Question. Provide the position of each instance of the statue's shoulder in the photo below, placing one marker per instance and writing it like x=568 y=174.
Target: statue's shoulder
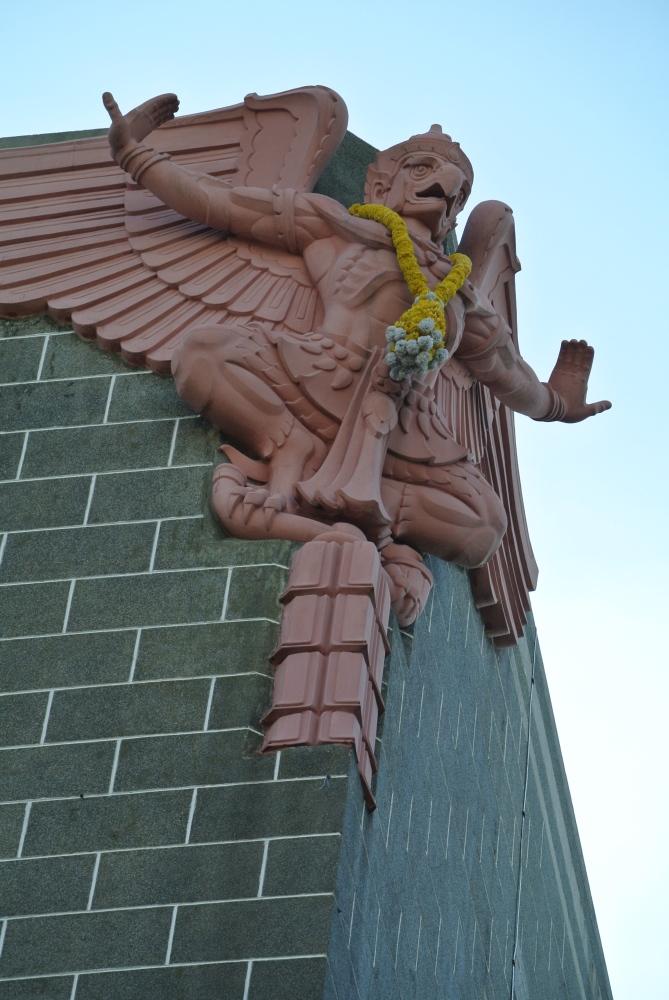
x=351 y=228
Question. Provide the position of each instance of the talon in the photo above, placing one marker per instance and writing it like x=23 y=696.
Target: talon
x=234 y=501
x=253 y=500
x=276 y=502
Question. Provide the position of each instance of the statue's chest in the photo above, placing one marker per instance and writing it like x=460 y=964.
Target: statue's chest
x=362 y=273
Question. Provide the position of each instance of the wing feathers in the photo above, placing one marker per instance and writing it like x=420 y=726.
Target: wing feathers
x=86 y=319
x=97 y=285
x=77 y=238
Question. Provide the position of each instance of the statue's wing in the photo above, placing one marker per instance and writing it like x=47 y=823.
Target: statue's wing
x=484 y=425
x=80 y=239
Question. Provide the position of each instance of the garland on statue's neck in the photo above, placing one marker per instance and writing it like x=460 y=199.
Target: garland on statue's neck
x=416 y=339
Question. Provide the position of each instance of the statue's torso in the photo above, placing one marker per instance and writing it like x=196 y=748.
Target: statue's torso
x=363 y=290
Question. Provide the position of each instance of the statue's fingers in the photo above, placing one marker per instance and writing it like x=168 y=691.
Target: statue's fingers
x=584 y=356
x=112 y=107
x=567 y=353
x=594 y=408
x=162 y=109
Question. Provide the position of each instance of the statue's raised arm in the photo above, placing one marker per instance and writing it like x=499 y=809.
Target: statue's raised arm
x=244 y=211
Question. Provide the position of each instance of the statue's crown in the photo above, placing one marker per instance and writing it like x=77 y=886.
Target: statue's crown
x=434 y=141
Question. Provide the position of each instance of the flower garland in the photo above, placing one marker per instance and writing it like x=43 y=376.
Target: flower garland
x=416 y=339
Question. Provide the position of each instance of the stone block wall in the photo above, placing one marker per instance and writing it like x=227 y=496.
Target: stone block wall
x=140 y=830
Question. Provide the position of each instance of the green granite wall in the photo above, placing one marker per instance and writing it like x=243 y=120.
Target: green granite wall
x=140 y=830
x=468 y=881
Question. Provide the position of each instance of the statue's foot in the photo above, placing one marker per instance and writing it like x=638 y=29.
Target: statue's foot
x=248 y=511
x=410 y=581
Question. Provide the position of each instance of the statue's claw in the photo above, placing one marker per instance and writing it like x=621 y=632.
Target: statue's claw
x=272 y=506
x=247 y=511
x=410 y=581
x=253 y=499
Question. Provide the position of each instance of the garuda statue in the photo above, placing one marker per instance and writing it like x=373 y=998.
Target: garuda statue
x=288 y=322
x=270 y=305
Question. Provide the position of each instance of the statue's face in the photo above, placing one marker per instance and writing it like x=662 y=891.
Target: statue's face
x=429 y=188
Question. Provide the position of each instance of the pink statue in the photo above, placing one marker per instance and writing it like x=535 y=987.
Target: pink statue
x=339 y=438
x=272 y=304
x=210 y=256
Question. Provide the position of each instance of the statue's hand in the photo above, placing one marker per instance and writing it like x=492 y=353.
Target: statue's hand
x=140 y=121
x=570 y=380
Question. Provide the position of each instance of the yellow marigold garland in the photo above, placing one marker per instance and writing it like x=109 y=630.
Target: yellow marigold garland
x=416 y=340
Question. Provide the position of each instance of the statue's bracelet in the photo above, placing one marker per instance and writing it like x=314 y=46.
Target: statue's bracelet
x=558 y=407
x=135 y=158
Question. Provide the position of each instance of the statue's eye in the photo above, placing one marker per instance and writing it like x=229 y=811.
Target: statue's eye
x=420 y=170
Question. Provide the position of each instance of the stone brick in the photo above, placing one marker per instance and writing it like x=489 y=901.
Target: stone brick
x=308 y=762
x=105 y=823
x=44 y=988
x=223 y=981
x=149 y=599
x=197 y=441
x=127 y=710
x=100 y=448
x=45 y=885
x=41 y=772
x=156 y=396
x=240 y=700
x=34 y=608
x=21 y=718
x=254 y=592
x=11 y=446
x=19 y=359
x=70 y=356
x=76 y=552
x=135 y=496
x=201 y=542
x=11 y=824
x=197 y=759
x=194 y=650
x=269 y=809
x=288 y=979
x=85 y=941
x=49 y=404
x=45 y=503
x=33 y=324
x=178 y=875
x=218 y=931
x=301 y=865
x=64 y=660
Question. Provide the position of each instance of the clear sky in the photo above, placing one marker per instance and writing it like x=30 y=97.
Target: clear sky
x=562 y=109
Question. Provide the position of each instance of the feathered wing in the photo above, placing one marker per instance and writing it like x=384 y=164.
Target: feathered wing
x=95 y=249
x=485 y=426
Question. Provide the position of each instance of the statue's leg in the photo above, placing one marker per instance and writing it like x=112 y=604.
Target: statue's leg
x=450 y=511
x=347 y=483
x=233 y=377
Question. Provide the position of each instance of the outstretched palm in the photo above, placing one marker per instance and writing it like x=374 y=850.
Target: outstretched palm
x=140 y=121
x=570 y=380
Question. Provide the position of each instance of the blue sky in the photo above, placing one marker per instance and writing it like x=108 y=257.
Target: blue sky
x=562 y=110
